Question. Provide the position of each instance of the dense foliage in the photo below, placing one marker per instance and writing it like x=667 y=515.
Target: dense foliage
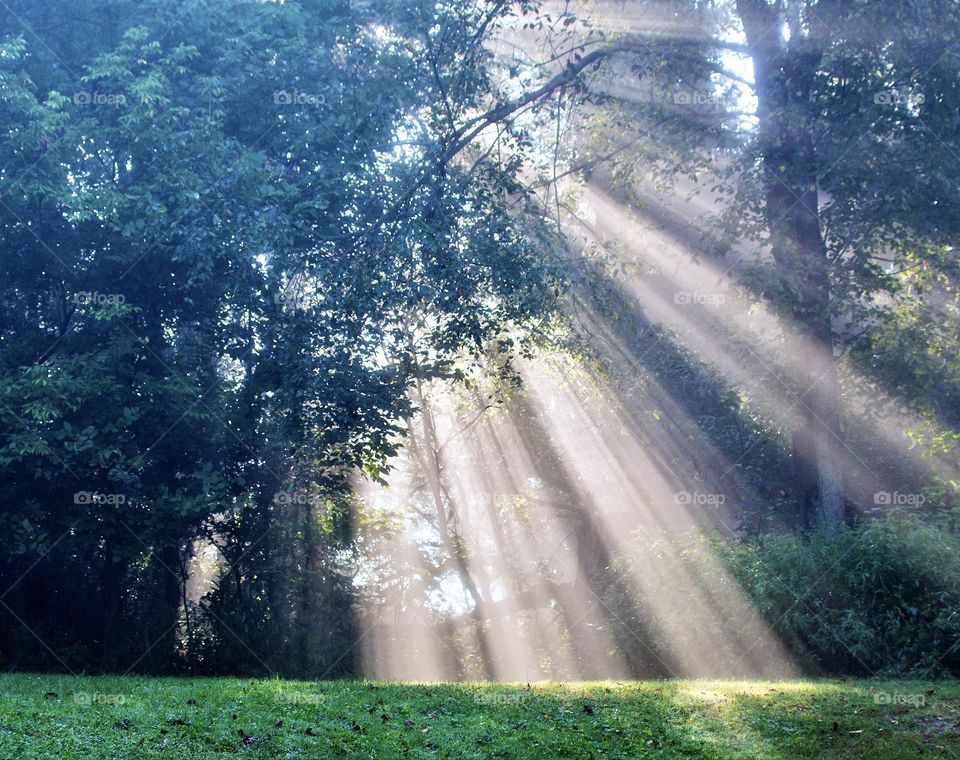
x=883 y=598
x=880 y=599
x=233 y=236
x=243 y=243
x=826 y=130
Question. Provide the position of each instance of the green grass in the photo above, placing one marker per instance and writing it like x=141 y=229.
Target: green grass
x=53 y=716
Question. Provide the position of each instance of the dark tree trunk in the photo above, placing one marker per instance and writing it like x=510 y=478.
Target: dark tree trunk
x=308 y=617
x=580 y=602
x=785 y=74
x=430 y=463
x=111 y=599
x=172 y=601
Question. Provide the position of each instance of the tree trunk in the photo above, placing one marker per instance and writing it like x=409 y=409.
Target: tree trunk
x=111 y=601
x=307 y=621
x=172 y=601
x=431 y=465
x=784 y=74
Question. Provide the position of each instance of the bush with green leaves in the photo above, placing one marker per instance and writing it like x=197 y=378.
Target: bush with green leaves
x=881 y=598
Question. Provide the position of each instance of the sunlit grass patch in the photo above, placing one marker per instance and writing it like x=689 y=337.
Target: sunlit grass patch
x=45 y=716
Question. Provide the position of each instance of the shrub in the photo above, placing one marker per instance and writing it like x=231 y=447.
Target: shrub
x=882 y=597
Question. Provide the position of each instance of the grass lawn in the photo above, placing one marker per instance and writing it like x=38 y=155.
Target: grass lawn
x=54 y=716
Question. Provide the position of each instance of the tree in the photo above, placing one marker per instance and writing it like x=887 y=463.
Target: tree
x=837 y=171
x=220 y=228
